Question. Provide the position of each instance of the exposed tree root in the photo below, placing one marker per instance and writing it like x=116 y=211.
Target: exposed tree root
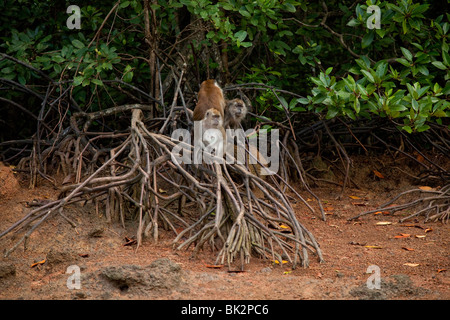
x=434 y=206
x=234 y=211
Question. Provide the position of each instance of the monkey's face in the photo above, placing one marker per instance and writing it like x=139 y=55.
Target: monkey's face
x=237 y=108
x=214 y=118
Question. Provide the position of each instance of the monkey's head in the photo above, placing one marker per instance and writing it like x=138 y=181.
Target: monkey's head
x=210 y=83
x=213 y=118
x=237 y=108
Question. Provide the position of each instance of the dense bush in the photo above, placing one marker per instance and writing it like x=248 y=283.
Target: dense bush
x=322 y=52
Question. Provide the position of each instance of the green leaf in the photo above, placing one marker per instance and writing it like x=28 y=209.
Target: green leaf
x=408 y=55
x=415 y=105
x=437 y=88
x=418 y=46
x=353 y=23
x=7 y=70
x=97 y=82
x=420 y=9
x=423 y=70
x=285 y=33
x=372 y=106
x=439 y=113
x=350 y=114
x=272 y=26
x=289 y=7
x=404 y=26
x=303 y=100
x=21 y=79
x=58 y=59
x=381 y=32
x=397 y=108
x=412 y=91
x=422 y=128
x=403 y=62
x=284 y=103
x=77 y=80
x=361 y=89
x=351 y=79
x=367 y=39
x=127 y=77
x=323 y=79
x=78 y=44
x=210 y=34
x=415 y=24
x=439 y=65
x=240 y=35
x=407 y=129
x=368 y=75
x=357 y=106
x=319 y=98
x=57 y=68
x=302 y=59
x=423 y=90
x=381 y=70
x=332 y=112
x=344 y=95
x=124 y=4
x=85 y=82
x=446 y=58
x=244 y=12
x=316 y=81
x=227 y=6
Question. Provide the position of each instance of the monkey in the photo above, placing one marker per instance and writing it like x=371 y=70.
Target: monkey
x=210 y=96
x=212 y=120
x=212 y=135
x=235 y=112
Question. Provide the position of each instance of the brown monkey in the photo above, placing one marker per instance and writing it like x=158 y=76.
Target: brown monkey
x=210 y=96
x=212 y=120
x=235 y=112
x=211 y=138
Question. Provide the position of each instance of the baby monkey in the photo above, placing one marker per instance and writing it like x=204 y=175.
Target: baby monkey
x=235 y=112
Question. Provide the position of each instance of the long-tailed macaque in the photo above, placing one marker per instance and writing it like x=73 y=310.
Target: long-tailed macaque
x=235 y=112
x=213 y=134
x=210 y=96
x=209 y=137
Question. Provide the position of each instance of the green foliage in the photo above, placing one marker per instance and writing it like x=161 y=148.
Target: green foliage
x=69 y=55
x=409 y=84
x=328 y=55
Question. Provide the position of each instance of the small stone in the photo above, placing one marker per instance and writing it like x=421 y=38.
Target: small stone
x=7 y=270
x=266 y=270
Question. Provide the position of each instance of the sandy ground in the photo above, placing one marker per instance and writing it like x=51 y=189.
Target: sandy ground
x=412 y=258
